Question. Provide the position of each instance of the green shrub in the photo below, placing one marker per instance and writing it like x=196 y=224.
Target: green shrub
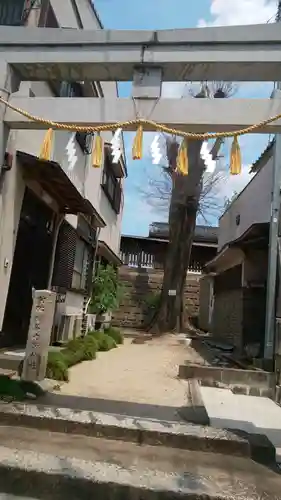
x=18 y=390
x=11 y=389
x=74 y=344
x=90 y=347
x=57 y=368
x=81 y=349
x=115 y=334
x=75 y=351
x=105 y=342
x=72 y=357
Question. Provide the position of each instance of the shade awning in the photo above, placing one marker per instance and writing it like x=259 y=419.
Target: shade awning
x=227 y=258
x=105 y=251
x=55 y=182
x=233 y=253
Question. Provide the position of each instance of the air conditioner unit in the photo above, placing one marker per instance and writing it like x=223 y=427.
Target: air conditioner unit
x=65 y=330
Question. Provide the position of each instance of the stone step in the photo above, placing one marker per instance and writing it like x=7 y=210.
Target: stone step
x=259 y=415
x=141 y=431
x=42 y=465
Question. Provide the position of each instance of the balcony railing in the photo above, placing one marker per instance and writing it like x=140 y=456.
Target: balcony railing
x=145 y=260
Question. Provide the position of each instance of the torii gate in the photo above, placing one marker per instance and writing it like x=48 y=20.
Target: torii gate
x=148 y=58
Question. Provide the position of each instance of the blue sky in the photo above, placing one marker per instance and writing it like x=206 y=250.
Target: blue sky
x=168 y=14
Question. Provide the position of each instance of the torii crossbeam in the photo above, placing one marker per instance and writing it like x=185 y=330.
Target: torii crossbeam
x=234 y=53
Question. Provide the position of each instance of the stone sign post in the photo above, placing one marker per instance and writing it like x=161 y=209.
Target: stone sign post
x=39 y=334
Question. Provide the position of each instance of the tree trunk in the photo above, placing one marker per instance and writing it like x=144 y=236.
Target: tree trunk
x=182 y=219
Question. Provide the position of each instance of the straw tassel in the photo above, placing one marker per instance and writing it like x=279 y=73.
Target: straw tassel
x=235 y=157
x=182 y=158
x=97 y=153
x=137 y=145
x=46 y=148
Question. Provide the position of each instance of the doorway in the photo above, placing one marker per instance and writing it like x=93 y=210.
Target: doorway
x=30 y=268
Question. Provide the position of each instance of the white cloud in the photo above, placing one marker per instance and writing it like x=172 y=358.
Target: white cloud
x=231 y=184
x=238 y=12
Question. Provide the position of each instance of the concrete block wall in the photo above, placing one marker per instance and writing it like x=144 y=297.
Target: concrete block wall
x=239 y=316
x=138 y=285
x=204 y=302
x=227 y=320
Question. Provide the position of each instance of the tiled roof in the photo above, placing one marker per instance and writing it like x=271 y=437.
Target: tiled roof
x=264 y=157
x=202 y=233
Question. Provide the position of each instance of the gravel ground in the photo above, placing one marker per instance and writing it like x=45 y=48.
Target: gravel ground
x=140 y=373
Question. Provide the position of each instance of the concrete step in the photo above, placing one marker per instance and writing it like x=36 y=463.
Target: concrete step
x=141 y=431
x=39 y=464
x=249 y=413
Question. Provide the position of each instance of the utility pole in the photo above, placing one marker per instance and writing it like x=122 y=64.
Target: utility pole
x=273 y=248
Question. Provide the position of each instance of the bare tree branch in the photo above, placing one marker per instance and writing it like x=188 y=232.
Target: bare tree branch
x=159 y=190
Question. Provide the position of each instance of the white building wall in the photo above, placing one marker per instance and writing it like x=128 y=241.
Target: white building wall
x=253 y=205
x=86 y=179
x=111 y=234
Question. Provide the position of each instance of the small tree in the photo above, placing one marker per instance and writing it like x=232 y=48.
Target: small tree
x=106 y=292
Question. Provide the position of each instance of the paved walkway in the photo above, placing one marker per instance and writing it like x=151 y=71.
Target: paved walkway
x=140 y=374
x=249 y=413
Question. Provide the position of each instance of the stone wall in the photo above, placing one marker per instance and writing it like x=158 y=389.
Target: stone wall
x=239 y=316
x=142 y=283
x=204 y=302
x=227 y=319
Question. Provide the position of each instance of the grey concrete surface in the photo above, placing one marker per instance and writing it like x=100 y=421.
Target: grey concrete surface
x=155 y=474
x=192 y=115
x=243 y=53
x=249 y=413
x=141 y=431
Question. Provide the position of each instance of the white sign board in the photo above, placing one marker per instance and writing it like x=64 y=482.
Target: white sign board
x=172 y=293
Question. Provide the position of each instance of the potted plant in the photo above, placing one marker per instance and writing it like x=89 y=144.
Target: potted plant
x=106 y=295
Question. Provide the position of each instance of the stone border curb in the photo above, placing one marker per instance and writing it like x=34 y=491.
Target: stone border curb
x=138 y=430
x=198 y=403
x=196 y=412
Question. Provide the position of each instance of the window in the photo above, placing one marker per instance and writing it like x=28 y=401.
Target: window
x=70 y=89
x=74 y=258
x=74 y=89
x=12 y=12
x=84 y=140
x=47 y=17
x=81 y=263
x=65 y=255
x=111 y=185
